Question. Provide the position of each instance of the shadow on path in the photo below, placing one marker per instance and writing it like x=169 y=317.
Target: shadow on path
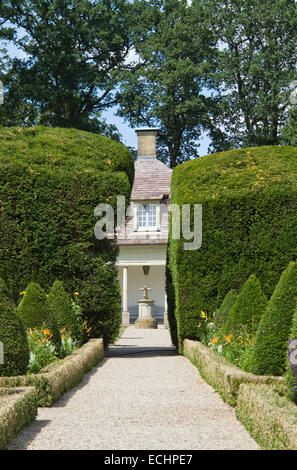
x=139 y=351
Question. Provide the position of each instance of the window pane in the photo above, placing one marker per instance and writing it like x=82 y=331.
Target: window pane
x=147 y=215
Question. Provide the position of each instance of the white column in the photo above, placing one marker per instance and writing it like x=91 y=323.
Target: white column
x=165 y=311
x=125 y=312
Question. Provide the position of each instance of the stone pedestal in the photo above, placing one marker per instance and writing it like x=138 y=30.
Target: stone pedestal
x=145 y=318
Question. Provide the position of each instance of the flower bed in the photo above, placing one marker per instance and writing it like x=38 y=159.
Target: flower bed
x=222 y=375
x=60 y=376
x=18 y=408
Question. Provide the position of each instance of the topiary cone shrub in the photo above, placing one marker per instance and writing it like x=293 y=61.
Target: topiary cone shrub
x=35 y=313
x=291 y=365
x=12 y=336
x=271 y=343
x=248 y=309
x=60 y=306
x=227 y=304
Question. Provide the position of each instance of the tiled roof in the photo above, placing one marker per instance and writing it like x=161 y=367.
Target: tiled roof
x=152 y=180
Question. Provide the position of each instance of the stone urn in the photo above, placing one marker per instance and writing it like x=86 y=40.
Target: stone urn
x=145 y=308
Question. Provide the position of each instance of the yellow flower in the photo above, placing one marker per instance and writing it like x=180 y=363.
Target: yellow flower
x=203 y=314
x=23 y=292
x=228 y=338
x=214 y=340
x=46 y=295
x=76 y=293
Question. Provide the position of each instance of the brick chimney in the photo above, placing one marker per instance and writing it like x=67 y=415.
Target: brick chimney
x=146 y=143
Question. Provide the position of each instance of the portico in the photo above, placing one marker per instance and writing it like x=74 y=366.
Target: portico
x=142 y=256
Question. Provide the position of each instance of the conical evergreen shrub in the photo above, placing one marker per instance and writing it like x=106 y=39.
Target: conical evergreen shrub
x=227 y=304
x=248 y=308
x=12 y=336
x=35 y=313
x=60 y=307
x=271 y=343
x=291 y=374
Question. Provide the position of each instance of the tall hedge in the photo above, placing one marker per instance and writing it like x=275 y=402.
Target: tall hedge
x=12 y=336
x=248 y=309
x=271 y=343
x=51 y=182
x=59 y=304
x=249 y=200
x=227 y=304
x=35 y=313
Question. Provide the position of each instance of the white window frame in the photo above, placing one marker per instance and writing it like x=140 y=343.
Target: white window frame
x=155 y=228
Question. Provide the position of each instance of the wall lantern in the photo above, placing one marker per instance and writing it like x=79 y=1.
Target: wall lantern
x=146 y=270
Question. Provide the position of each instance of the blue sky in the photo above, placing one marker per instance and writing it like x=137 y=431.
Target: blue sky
x=128 y=133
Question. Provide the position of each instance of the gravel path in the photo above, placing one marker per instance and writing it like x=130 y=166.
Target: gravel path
x=144 y=397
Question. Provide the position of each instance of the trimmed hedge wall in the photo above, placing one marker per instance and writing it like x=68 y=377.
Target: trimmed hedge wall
x=60 y=376
x=249 y=200
x=18 y=408
x=51 y=181
x=223 y=376
x=271 y=419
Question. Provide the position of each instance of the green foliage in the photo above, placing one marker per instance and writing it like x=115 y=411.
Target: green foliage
x=60 y=306
x=271 y=344
x=248 y=308
x=228 y=302
x=289 y=131
x=51 y=182
x=42 y=350
x=12 y=336
x=253 y=69
x=72 y=53
x=235 y=347
x=249 y=225
x=35 y=313
x=166 y=89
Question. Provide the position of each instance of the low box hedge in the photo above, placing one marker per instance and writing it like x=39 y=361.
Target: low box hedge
x=270 y=418
x=18 y=408
x=223 y=376
x=60 y=376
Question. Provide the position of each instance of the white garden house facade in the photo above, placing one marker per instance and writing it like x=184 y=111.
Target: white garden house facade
x=142 y=252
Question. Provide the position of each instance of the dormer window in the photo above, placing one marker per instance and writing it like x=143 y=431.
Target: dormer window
x=148 y=216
